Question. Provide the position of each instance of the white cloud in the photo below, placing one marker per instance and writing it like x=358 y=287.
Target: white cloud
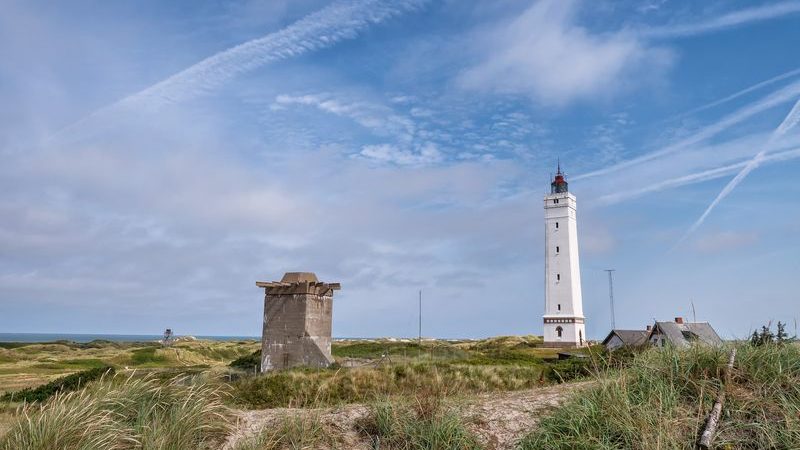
x=428 y=153
x=544 y=53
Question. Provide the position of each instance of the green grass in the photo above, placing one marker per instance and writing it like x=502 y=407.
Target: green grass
x=330 y=387
x=124 y=413
x=421 y=423
x=61 y=385
x=296 y=431
x=147 y=356
x=660 y=399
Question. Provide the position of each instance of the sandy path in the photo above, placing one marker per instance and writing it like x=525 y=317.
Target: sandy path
x=498 y=419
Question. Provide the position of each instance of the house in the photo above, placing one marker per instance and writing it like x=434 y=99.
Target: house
x=683 y=334
x=626 y=338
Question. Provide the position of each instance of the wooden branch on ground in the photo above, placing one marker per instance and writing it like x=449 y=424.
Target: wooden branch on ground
x=707 y=437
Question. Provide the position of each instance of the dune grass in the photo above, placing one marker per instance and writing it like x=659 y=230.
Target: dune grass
x=421 y=423
x=303 y=388
x=124 y=413
x=661 y=398
x=291 y=432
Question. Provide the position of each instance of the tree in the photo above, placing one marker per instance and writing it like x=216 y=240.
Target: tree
x=754 y=339
x=781 y=336
x=766 y=335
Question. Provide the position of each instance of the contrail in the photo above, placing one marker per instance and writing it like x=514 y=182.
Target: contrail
x=729 y=20
x=790 y=121
x=738 y=94
x=785 y=94
x=697 y=177
x=321 y=29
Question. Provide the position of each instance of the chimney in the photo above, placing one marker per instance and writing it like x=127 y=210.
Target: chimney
x=679 y=320
x=649 y=328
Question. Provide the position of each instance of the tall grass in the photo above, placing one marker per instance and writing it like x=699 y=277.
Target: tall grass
x=299 y=431
x=419 y=424
x=661 y=398
x=124 y=413
x=301 y=388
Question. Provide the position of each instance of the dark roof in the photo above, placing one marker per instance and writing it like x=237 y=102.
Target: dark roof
x=683 y=334
x=628 y=337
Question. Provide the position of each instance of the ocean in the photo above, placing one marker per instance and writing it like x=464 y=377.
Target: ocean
x=82 y=338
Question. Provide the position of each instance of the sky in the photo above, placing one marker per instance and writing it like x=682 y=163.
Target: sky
x=158 y=158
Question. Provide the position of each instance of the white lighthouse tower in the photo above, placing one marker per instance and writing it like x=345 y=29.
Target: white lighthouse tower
x=563 y=311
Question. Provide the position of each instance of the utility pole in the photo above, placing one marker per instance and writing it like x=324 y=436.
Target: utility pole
x=611 y=296
x=420 y=319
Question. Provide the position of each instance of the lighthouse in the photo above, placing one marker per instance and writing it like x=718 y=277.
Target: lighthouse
x=563 y=312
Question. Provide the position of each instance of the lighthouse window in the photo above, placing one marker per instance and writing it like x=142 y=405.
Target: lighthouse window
x=558 y=277
x=559 y=306
x=556 y=225
x=558 y=331
x=556 y=249
x=555 y=201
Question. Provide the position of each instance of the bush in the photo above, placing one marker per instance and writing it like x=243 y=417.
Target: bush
x=64 y=384
x=124 y=414
x=249 y=363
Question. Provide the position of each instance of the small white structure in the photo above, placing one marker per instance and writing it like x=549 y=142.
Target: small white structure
x=563 y=316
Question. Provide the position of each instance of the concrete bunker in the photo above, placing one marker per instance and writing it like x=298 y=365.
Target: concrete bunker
x=298 y=313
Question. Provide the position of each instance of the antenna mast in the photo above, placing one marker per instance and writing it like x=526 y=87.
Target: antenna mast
x=420 y=319
x=611 y=296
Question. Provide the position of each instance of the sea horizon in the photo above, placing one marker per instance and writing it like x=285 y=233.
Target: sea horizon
x=88 y=337
x=82 y=338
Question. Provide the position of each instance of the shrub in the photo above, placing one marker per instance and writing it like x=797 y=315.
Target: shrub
x=64 y=384
x=249 y=363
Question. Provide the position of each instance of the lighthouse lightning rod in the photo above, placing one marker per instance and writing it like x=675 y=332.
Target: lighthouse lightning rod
x=611 y=296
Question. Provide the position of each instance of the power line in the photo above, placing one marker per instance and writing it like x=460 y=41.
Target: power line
x=611 y=296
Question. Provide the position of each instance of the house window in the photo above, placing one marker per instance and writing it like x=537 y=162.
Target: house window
x=556 y=225
x=559 y=330
x=558 y=277
x=556 y=249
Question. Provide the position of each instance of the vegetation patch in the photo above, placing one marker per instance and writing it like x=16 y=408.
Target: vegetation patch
x=297 y=431
x=147 y=355
x=418 y=424
x=249 y=363
x=132 y=413
x=61 y=385
x=661 y=397
x=306 y=387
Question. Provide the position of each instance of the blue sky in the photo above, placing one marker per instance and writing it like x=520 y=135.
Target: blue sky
x=160 y=157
